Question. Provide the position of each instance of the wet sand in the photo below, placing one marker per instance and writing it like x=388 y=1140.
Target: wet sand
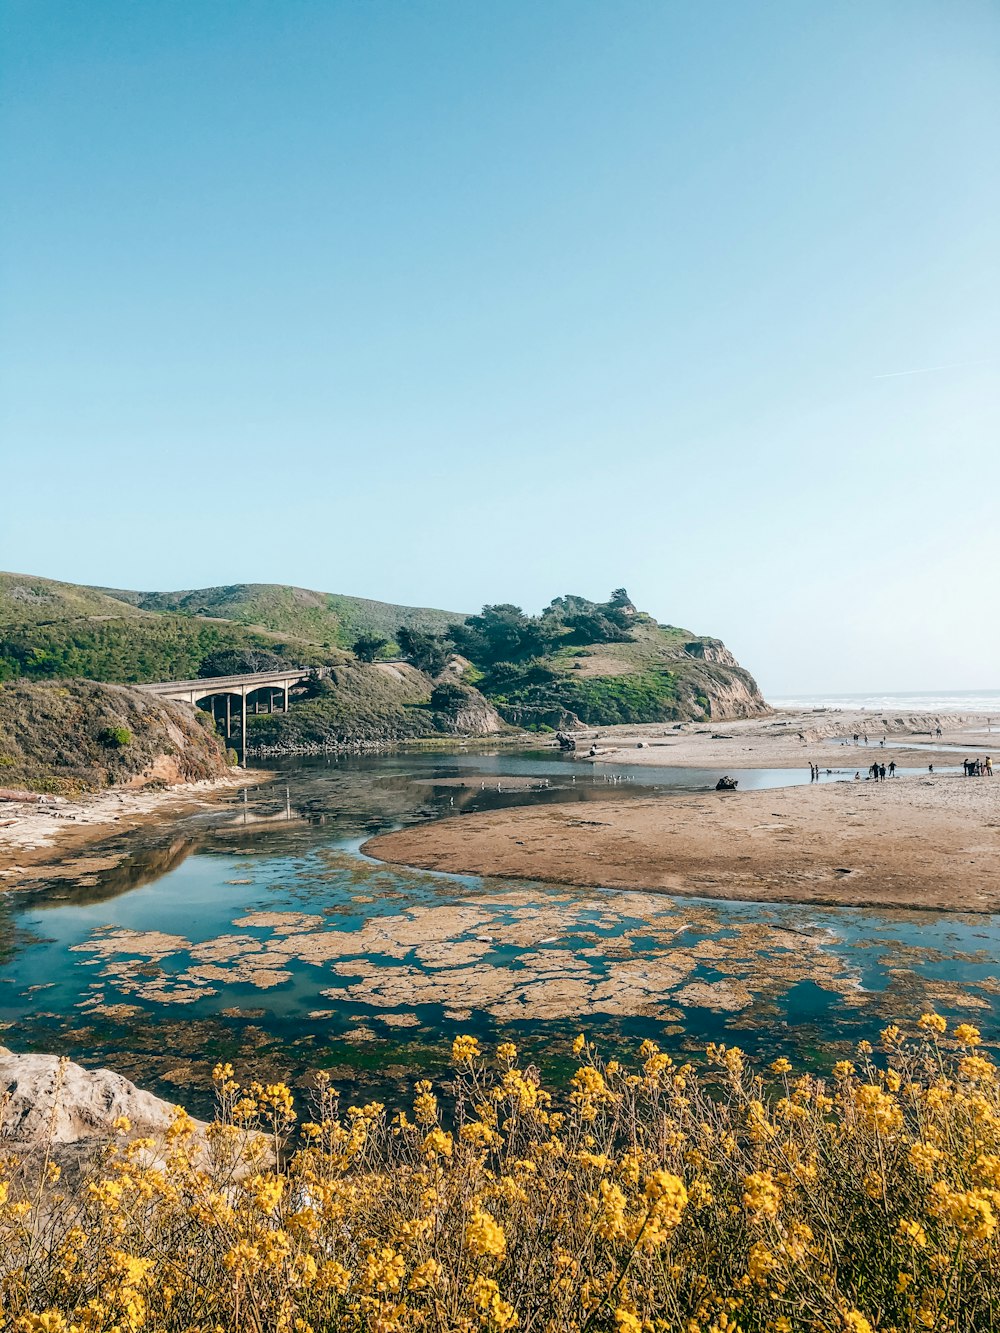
x=917 y=843
x=35 y=837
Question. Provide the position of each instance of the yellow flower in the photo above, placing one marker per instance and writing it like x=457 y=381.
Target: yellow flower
x=761 y=1195
x=425 y=1275
x=932 y=1023
x=437 y=1143
x=855 y=1322
x=383 y=1270
x=484 y=1235
x=967 y=1035
x=464 y=1050
x=626 y=1321
x=976 y=1069
x=781 y=1066
x=912 y=1232
x=924 y=1157
x=969 y=1211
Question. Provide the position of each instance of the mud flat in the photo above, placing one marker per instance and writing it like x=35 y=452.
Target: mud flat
x=920 y=842
x=36 y=835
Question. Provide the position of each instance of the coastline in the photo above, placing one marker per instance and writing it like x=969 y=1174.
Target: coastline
x=796 y=738
x=35 y=838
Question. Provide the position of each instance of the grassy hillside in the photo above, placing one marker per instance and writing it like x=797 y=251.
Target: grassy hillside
x=357 y=703
x=51 y=630
x=77 y=736
x=596 y=663
x=320 y=618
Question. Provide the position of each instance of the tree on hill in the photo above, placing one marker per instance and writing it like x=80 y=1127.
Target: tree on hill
x=427 y=652
x=368 y=646
x=592 y=622
x=502 y=633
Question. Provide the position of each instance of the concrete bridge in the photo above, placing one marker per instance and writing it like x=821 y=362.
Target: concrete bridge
x=223 y=689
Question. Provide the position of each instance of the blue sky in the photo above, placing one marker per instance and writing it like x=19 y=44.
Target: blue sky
x=450 y=303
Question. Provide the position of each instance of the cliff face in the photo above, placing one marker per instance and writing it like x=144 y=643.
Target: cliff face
x=78 y=735
x=721 y=691
x=713 y=675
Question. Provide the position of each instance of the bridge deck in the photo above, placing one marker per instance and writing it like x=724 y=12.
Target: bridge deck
x=220 y=684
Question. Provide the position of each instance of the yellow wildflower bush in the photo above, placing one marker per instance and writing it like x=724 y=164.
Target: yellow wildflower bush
x=655 y=1198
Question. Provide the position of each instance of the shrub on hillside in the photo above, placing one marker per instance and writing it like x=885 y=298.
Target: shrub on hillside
x=116 y=736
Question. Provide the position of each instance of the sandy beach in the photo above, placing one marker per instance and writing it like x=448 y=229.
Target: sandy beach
x=35 y=837
x=926 y=841
x=795 y=739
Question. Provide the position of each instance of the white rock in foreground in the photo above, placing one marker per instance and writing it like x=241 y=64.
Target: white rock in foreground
x=45 y=1100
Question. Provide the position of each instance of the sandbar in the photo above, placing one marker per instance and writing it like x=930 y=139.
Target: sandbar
x=928 y=842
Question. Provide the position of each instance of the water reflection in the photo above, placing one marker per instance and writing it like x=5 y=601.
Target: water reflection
x=258 y=933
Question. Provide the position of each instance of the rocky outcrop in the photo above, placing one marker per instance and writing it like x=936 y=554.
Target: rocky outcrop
x=51 y=1108
x=711 y=650
x=469 y=715
x=721 y=693
x=78 y=735
x=45 y=1100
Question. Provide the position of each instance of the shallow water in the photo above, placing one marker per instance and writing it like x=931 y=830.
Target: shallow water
x=259 y=933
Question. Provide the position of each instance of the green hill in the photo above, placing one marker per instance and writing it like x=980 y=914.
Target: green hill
x=595 y=663
x=56 y=630
x=50 y=629
x=323 y=619
x=600 y=663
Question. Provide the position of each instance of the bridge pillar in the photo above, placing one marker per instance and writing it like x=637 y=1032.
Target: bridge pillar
x=286 y=699
x=229 y=716
x=243 y=732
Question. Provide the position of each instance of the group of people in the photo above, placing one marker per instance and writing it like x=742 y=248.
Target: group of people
x=978 y=768
x=879 y=772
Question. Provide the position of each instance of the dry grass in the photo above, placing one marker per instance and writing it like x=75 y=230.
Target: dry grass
x=645 y=1199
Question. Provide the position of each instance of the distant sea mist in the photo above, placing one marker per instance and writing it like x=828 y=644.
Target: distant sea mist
x=929 y=701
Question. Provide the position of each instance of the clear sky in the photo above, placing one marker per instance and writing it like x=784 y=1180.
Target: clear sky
x=448 y=303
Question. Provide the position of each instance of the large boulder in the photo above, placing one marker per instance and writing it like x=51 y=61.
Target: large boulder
x=46 y=1100
x=54 y=1110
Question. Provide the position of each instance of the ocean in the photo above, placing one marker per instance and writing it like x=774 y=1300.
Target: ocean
x=928 y=701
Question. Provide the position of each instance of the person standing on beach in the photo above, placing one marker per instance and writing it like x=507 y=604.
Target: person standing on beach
x=881 y=772
x=988 y=763
x=892 y=768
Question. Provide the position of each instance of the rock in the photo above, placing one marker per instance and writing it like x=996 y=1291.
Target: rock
x=54 y=1107
x=44 y=1099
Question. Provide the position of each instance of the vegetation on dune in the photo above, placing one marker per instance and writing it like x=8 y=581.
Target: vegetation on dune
x=79 y=735
x=654 y=1200
x=368 y=647
x=528 y=666
x=647 y=696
